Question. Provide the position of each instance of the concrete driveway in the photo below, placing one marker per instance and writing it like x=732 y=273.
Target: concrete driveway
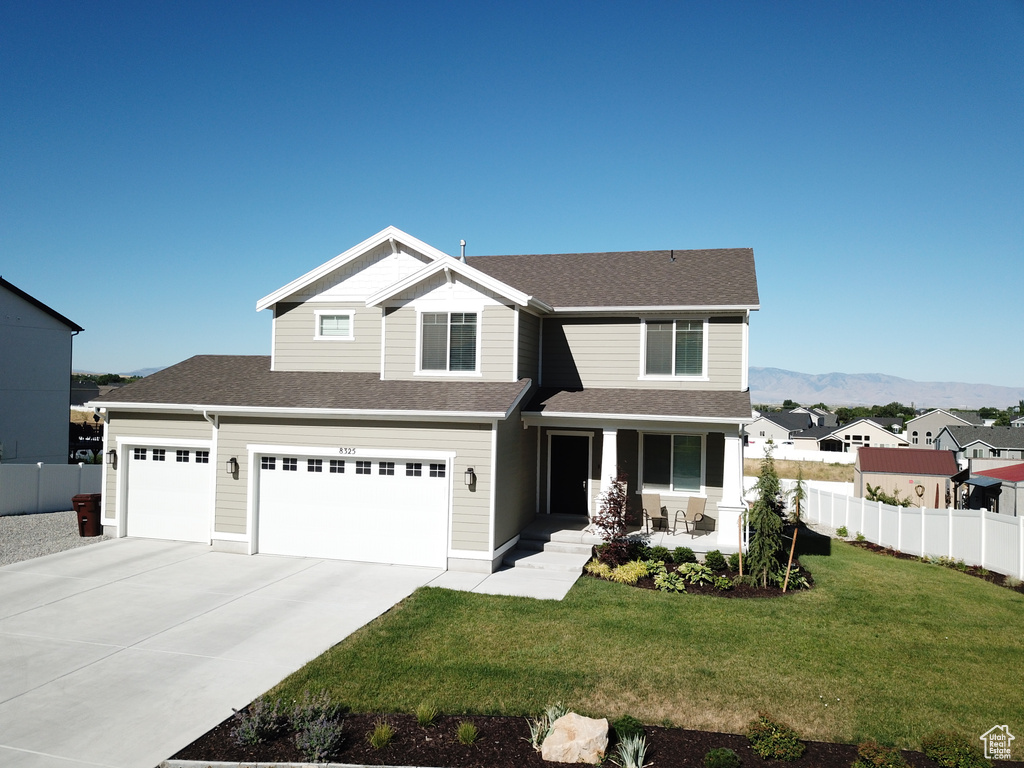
x=121 y=653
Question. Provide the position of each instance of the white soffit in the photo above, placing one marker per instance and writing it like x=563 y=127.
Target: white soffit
x=389 y=233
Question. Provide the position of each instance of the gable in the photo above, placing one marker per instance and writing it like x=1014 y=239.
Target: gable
x=446 y=291
x=18 y=308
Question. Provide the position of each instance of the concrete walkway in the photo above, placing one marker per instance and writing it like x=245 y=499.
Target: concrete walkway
x=120 y=653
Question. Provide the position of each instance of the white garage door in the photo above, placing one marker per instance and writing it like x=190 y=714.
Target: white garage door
x=366 y=509
x=169 y=493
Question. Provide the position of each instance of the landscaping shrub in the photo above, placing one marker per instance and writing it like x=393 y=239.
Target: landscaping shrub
x=721 y=758
x=381 y=735
x=629 y=573
x=951 y=750
x=627 y=726
x=259 y=721
x=683 y=555
x=871 y=754
x=763 y=559
x=623 y=550
x=467 y=733
x=843 y=531
x=319 y=739
x=669 y=582
x=631 y=751
x=861 y=537
x=715 y=560
x=723 y=583
x=773 y=740
x=660 y=554
x=610 y=519
x=312 y=708
x=425 y=715
x=734 y=561
x=597 y=568
x=695 y=573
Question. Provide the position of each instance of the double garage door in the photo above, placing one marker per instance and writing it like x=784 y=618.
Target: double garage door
x=372 y=509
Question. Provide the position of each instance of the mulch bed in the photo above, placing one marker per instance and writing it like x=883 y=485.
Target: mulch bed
x=971 y=570
x=502 y=743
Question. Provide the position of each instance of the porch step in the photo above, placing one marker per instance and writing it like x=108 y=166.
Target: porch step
x=547 y=561
x=545 y=545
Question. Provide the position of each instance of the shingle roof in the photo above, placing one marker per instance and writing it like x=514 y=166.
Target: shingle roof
x=642 y=402
x=997 y=437
x=907 y=461
x=247 y=381
x=1013 y=473
x=699 y=278
x=39 y=305
x=790 y=421
x=814 y=433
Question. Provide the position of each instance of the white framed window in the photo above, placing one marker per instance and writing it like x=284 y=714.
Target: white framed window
x=268 y=462
x=927 y=438
x=386 y=468
x=437 y=470
x=448 y=342
x=673 y=462
x=314 y=465
x=413 y=469
x=675 y=348
x=913 y=437
x=338 y=466
x=159 y=454
x=290 y=465
x=333 y=325
x=202 y=457
x=181 y=456
x=139 y=454
x=363 y=467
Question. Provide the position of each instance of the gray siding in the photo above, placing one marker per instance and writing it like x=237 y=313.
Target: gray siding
x=150 y=425
x=930 y=422
x=515 y=484
x=605 y=352
x=472 y=444
x=529 y=345
x=496 y=344
x=295 y=349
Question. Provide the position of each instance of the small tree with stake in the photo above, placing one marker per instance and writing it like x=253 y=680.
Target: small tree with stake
x=763 y=558
x=611 y=521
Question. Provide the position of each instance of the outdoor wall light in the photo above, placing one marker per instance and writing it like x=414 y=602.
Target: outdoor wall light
x=470 y=477
x=232 y=466
x=112 y=457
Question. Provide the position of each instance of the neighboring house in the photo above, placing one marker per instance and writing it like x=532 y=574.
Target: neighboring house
x=861 y=432
x=975 y=442
x=35 y=379
x=1009 y=499
x=419 y=409
x=777 y=427
x=923 y=477
x=819 y=416
x=1018 y=422
x=922 y=430
x=893 y=424
x=810 y=439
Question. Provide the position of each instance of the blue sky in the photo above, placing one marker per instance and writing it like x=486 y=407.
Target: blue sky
x=165 y=165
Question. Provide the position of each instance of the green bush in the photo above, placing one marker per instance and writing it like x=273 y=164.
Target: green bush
x=721 y=758
x=259 y=721
x=723 y=583
x=734 y=561
x=599 y=569
x=314 y=707
x=426 y=714
x=669 y=582
x=630 y=573
x=951 y=750
x=467 y=733
x=319 y=739
x=860 y=536
x=683 y=555
x=381 y=735
x=871 y=754
x=715 y=560
x=695 y=573
x=660 y=554
x=627 y=726
x=773 y=740
x=843 y=531
x=631 y=751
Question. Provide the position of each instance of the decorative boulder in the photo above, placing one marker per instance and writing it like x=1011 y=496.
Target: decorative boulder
x=576 y=739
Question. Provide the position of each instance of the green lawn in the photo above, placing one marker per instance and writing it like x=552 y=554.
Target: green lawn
x=895 y=649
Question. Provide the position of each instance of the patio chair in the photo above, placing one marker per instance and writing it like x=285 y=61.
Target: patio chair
x=692 y=515
x=653 y=511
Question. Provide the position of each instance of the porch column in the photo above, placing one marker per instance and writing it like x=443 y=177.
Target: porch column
x=732 y=475
x=609 y=457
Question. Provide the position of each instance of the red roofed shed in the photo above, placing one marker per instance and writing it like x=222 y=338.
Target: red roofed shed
x=922 y=476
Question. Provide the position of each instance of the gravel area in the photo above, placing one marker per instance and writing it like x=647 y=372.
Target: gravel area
x=23 y=537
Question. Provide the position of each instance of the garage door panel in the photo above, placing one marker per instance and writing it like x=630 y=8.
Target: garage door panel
x=385 y=518
x=168 y=499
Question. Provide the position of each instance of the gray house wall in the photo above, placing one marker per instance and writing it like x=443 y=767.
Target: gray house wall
x=930 y=422
x=295 y=349
x=606 y=352
x=35 y=383
x=529 y=346
x=515 y=481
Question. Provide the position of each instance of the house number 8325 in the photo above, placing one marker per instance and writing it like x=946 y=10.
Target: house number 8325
x=347 y=451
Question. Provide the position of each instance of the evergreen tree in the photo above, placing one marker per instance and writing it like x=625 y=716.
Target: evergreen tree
x=766 y=519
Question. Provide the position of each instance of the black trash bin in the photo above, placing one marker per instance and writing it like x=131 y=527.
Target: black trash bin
x=87 y=505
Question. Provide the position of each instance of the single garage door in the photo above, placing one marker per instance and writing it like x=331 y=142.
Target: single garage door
x=366 y=509
x=169 y=493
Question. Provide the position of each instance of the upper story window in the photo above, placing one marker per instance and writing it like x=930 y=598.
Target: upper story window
x=674 y=348
x=333 y=325
x=448 y=341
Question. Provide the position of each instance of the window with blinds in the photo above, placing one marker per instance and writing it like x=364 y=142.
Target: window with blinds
x=448 y=341
x=333 y=325
x=674 y=348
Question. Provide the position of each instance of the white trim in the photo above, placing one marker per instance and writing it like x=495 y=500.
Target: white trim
x=590 y=462
x=494 y=486
x=540 y=353
x=368 y=413
x=252 y=503
x=388 y=233
x=745 y=361
x=704 y=366
x=515 y=344
x=351 y=452
x=320 y=313
x=108 y=513
x=670 y=491
x=383 y=341
x=469 y=554
x=541 y=419
x=536 y=483
x=663 y=308
x=474 y=309
x=273 y=342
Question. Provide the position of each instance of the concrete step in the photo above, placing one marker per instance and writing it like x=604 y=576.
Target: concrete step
x=551 y=561
x=543 y=545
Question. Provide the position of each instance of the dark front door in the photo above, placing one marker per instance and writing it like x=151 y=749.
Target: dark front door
x=570 y=474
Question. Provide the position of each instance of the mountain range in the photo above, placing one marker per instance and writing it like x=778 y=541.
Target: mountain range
x=771 y=386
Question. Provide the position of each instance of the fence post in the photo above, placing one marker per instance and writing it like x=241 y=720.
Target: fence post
x=949 y=533
x=899 y=529
x=39 y=485
x=923 y=540
x=1020 y=546
x=984 y=533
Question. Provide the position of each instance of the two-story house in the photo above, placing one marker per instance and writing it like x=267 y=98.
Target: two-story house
x=421 y=409
x=924 y=429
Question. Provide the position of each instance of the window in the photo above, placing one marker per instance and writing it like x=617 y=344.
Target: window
x=673 y=462
x=674 y=348
x=978 y=453
x=159 y=454
x=268 y=462
x=927 y=438
x=314 y=465
x=386 y=468
x=762 y=433
x=448 y=341
x=413 y=470
x=139 y=454
x=202 y=457
x=181 y=456
x=437 y=470
x=338 y=466
x=333 y=325
x=363 y=467
x=290 y=465
x=913 y=437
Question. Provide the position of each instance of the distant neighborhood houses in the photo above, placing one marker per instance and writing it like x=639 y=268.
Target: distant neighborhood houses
x=817 y=430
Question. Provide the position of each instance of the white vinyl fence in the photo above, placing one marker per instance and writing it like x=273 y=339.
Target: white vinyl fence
x=976 y=536
x=30 y=488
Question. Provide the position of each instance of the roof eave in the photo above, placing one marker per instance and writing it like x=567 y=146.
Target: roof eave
x=633 y=417
x=246 y=410
x=661 y=308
